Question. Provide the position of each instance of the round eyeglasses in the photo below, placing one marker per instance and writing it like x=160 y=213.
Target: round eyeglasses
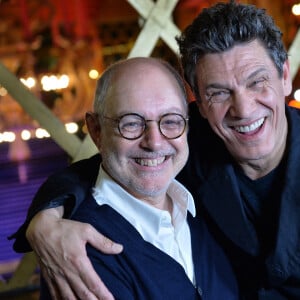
x=132 y=126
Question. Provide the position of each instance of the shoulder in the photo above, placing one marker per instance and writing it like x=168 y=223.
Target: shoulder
x=293 y=113
x=89 y=163
x=82 y=171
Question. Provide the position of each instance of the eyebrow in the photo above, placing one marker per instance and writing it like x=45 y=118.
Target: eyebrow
x=170 y=110
x=216 y=86
x=256 y=72
x=249 y=77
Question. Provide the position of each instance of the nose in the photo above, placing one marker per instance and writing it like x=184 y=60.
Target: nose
x=152 y=139
x=242 y=104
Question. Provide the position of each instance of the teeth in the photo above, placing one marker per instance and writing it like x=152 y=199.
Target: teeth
x=150 y=162
x=251 y=127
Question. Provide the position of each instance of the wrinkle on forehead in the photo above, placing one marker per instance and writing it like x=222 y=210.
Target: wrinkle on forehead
x=136 y=83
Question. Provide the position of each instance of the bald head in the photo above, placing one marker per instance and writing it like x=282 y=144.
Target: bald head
x=130 y=73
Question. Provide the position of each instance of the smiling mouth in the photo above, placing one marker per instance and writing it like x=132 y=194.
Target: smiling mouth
x=150 y=162
x=250 y=128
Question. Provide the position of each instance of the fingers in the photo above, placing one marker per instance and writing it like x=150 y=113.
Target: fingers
x=51 y=287
x=58 y=287
x=101 y=242
x=61 y=247
x=85 y=282
x=87 y=285
x=94 y=282
x=68 y=287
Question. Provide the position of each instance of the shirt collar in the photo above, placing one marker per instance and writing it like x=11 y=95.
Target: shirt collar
x=147 y=219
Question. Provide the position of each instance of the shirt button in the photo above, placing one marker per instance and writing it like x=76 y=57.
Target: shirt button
x=199 y=290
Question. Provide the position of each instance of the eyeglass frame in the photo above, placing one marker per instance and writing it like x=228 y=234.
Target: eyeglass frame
x=117 y=120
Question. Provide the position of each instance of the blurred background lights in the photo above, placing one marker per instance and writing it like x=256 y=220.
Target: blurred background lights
x=7 y=136
x=29 y=82
x=296 y=9
x=3 y=91
x=93 y=74
x=71 y=127
x=297 y=95
x=25 y=135
x=54 y=82
x=41 y=133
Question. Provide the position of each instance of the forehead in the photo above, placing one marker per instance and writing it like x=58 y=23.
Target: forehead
x=236 y=63
x=144 y=88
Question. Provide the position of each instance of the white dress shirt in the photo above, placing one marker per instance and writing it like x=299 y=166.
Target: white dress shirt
x=171 y=234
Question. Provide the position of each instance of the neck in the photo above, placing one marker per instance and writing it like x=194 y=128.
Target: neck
x=258 y=168
x=164 y=203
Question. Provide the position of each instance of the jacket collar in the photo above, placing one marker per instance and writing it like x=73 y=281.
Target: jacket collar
x=225 y=207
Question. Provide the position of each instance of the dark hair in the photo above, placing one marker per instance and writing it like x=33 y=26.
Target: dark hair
x=222 y=26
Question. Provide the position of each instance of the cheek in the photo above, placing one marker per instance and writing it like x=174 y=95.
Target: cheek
x=186 y=155
x=111 y=146
x=273 y=96
x=182 y=149
x=214 y=113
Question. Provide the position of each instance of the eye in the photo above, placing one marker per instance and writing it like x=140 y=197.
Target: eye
x=131 y=123
x=131 y=126
x=218 y=96
x=171 y=122
x=258 y=83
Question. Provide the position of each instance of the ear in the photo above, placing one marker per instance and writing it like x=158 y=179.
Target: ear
x=94 y=128
x=286 y=77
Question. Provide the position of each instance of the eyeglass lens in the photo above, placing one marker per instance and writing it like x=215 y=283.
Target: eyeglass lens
x=132 y=126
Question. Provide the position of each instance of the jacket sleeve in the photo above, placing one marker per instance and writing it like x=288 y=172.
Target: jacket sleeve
x=67 y=187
